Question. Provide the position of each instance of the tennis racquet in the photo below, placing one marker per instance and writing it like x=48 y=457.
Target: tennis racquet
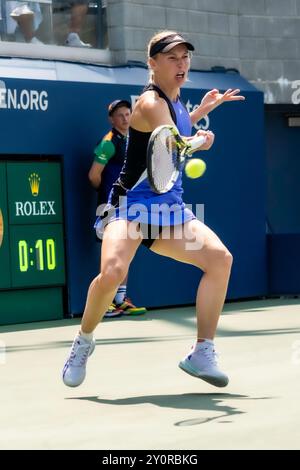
x=166 y=154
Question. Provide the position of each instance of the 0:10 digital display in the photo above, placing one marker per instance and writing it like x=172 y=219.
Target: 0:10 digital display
x=45 y=255
x=37 y=255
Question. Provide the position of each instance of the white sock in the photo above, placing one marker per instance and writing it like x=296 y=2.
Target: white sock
x=120 y=295
x=199 y=344
x=86 y=336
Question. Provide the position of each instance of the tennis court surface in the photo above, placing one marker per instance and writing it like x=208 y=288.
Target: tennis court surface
x=136 y=397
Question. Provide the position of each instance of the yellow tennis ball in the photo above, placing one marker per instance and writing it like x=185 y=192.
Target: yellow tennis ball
x=195 y=168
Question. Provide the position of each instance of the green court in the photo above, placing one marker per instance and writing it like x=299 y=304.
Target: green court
x=136 y=397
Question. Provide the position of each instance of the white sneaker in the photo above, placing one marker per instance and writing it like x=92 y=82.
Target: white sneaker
x=74 y=40
x=202 y=363
x=21 y=10
x=75 y=367
x=35 y=40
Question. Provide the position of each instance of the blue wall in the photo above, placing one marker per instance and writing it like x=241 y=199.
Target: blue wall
x=232 y=189
x=283 y=201
x=283 y=165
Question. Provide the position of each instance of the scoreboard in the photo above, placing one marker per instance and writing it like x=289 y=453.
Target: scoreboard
x=32 y=255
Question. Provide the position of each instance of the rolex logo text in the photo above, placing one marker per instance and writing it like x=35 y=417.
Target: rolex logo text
x=29 y=208
x=32 y=208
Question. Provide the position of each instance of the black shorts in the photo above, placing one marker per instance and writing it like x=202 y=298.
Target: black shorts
x=150 y=234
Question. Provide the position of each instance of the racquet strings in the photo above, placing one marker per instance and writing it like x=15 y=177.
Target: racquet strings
x=165 y=160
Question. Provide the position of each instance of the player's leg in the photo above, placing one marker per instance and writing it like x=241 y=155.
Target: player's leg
x=118 y=249
x=114 y=309
x=196 y=244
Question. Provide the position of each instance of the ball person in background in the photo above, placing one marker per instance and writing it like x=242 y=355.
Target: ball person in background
x=109 y=156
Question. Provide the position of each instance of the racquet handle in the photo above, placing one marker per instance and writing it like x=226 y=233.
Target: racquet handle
x=197 y=142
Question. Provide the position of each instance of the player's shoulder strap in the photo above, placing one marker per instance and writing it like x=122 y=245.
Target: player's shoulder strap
x=161 y=94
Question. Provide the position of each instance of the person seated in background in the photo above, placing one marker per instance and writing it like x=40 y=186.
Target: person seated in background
x=79 y=10
x=23 y=20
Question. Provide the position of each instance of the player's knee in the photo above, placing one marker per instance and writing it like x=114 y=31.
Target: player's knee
x=228 y=260
x=223 y=260
x=113 y=275
x=218 y=261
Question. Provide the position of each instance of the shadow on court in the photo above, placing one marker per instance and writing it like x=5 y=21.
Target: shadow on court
x=269 y=332
x=201 y=402
x=157 y=339
x=183 y=316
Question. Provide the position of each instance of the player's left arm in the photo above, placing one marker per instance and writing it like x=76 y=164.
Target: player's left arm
x=212 y=100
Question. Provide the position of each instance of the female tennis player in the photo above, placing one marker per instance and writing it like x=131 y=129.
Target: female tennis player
x=163 y=223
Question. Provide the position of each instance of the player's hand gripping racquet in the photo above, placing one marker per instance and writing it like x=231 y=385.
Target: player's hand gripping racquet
x=166 y=153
